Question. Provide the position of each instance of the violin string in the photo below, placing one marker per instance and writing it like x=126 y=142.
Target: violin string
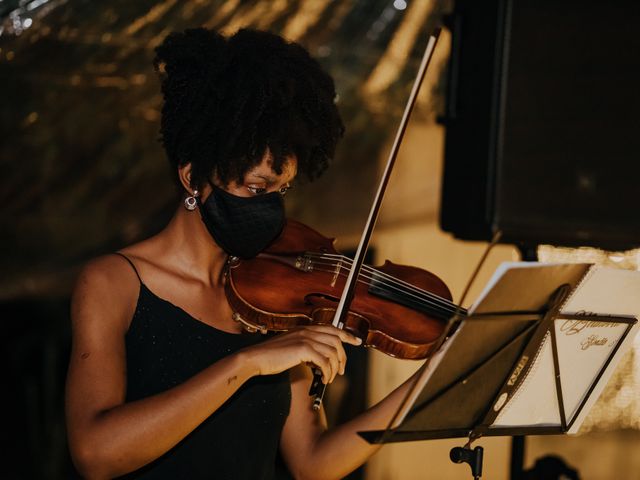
x=425 y=300
x=372 y=270
x=421 y=295
x=391 y=280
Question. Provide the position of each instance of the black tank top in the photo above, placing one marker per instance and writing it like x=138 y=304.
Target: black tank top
x=165 y=346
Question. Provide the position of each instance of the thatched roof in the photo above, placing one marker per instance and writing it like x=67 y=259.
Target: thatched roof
x=82 y=171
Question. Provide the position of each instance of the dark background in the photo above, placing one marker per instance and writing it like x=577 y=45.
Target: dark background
x=542 y=131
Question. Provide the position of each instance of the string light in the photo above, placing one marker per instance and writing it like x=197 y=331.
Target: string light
x=16 y=22
x=399 y=4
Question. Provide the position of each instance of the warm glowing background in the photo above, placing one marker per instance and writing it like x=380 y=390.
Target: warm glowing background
x=83 y=174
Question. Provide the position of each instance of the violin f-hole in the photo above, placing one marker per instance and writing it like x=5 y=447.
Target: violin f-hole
x=308 y=299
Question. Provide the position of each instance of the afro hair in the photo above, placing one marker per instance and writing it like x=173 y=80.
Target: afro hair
x=229 y=100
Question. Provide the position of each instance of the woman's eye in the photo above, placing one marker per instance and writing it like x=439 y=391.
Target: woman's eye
x=284 y=190
x=256 y=190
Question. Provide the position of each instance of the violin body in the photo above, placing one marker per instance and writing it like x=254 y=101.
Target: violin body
x=298 y=281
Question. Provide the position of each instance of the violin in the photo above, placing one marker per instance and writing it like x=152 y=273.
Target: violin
x=397 y=309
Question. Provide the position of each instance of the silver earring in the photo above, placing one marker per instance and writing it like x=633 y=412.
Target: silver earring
x=190 y=202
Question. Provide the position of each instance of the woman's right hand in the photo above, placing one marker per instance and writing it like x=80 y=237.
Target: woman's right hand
x=318 y=345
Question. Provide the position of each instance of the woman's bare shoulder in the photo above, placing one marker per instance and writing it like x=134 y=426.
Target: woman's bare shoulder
x=109 y=270
x=119 y=268
x=106 y=289
x=147 y=252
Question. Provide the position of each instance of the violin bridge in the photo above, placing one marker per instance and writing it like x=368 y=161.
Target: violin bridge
x=336 y=273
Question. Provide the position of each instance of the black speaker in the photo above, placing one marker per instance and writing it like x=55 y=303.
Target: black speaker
x=542 y=134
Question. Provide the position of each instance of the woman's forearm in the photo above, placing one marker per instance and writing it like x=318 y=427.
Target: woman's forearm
x=127 y=437
x=341 y=450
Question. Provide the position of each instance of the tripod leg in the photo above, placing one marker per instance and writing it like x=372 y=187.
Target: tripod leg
x=517 y=456
x=476 y=468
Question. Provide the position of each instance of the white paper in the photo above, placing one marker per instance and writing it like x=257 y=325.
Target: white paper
x=603 y=291
x=535 y=402
x=583 y=349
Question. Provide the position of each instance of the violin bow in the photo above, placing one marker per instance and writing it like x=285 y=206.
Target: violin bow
x=318 y=388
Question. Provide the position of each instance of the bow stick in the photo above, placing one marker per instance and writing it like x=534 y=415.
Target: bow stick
x=317 y=387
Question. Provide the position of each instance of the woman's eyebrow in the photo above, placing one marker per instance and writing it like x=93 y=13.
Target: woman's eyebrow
x=268 y=178
x=265 y=178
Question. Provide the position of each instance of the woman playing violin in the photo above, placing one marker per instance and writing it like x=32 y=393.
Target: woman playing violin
x=162 y=383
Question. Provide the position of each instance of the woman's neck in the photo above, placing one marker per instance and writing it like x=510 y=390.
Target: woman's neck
x=194 y=252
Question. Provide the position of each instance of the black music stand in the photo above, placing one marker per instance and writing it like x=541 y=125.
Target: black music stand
x=531 y=358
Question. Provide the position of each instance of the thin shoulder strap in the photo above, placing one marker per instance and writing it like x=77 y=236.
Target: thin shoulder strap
x=130 y=263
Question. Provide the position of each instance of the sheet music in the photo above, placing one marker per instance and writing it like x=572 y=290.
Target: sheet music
x=583 y=350
x=606 y=291
x=603 y=291
x=536 y=401
x=589 y=345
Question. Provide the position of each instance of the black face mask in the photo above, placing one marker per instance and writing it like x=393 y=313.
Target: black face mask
x=242 y=226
